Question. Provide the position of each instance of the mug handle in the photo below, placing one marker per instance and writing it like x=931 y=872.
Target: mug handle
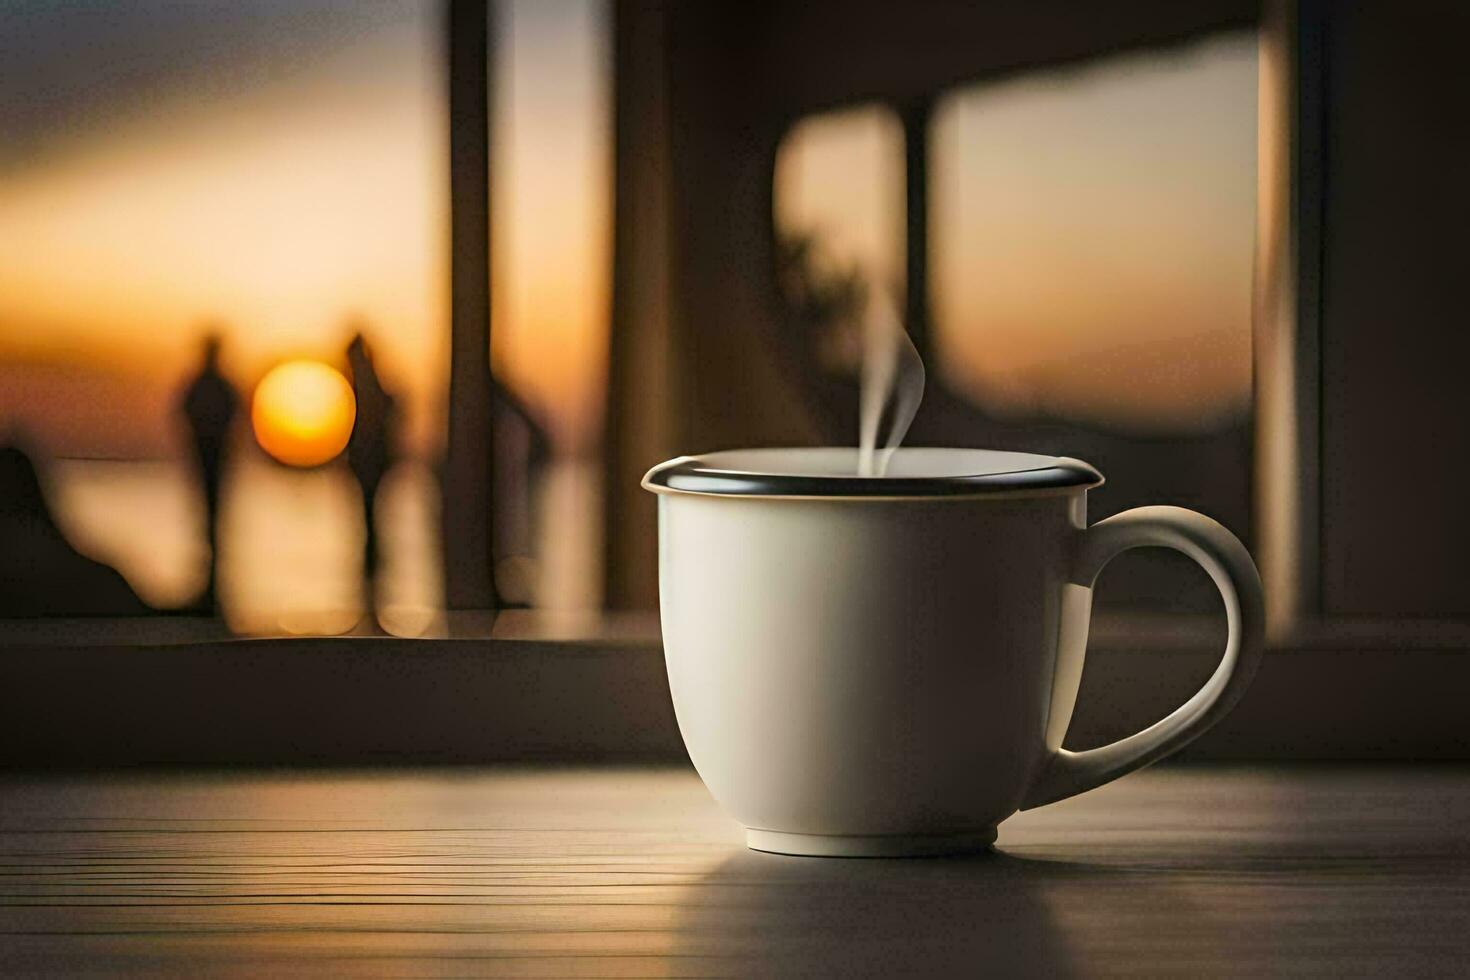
x=1222 y=555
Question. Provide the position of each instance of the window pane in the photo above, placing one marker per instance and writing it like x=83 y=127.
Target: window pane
x=839 y=182
x=1092 y=237
x=839 y=212
x=551 y=254
x=269 y=172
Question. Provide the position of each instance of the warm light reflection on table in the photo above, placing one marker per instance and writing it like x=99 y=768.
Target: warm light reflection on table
x=570 y=872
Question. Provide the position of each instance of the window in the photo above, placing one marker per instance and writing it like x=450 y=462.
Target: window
x=269 y=174
x=552 y=263
x=839 y=214
x=273 y=175
x=1089 y=259
x=706 y=352
x=1092 y=229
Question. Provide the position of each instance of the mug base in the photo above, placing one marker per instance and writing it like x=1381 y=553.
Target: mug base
x=885 y=845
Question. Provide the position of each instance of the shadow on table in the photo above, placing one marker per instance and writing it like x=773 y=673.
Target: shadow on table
x=768 y=915
x=1199 y=910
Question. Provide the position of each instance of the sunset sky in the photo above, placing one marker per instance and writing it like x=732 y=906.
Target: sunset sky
x=1093 y=237
x=1092 y=230
x=278 y=168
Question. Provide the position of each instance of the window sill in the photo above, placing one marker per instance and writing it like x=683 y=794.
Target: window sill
x=531 y=687
x=166 y=631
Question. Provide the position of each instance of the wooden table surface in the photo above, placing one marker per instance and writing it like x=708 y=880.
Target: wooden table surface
x=634 y=872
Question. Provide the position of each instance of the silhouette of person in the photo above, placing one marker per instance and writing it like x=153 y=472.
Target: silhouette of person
x=208 y=404
x=369 y=449
x=41 y=574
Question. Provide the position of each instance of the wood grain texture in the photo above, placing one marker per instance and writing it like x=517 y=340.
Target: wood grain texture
x=634 y=872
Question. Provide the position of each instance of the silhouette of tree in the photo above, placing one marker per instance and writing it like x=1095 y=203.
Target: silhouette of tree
x=826 y=303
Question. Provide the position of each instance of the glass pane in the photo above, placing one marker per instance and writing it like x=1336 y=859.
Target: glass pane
x=552 y=261
x=1093 y=229
x=839 y=215
x=839 y=181
x=268 y=173
x=1092 y=237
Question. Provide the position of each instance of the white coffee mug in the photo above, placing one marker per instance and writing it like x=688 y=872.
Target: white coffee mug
x=888 y=665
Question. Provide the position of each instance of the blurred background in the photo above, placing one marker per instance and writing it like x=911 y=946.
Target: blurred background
x=275 y=174
x=226 y=303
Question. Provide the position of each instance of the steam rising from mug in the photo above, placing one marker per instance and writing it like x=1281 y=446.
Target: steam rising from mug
x=893 y=375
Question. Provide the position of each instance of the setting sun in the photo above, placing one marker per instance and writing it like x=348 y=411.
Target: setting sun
x=302 y=413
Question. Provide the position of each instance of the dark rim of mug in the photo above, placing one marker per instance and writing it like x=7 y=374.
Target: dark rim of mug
x=693 y=474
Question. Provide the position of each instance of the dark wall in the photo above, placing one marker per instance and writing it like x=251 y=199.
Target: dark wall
x=1394 y=331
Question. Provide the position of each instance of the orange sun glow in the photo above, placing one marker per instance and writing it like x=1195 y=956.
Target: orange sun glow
x=303 y=412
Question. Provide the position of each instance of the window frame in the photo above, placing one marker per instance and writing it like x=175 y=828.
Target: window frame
x=526 y=688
